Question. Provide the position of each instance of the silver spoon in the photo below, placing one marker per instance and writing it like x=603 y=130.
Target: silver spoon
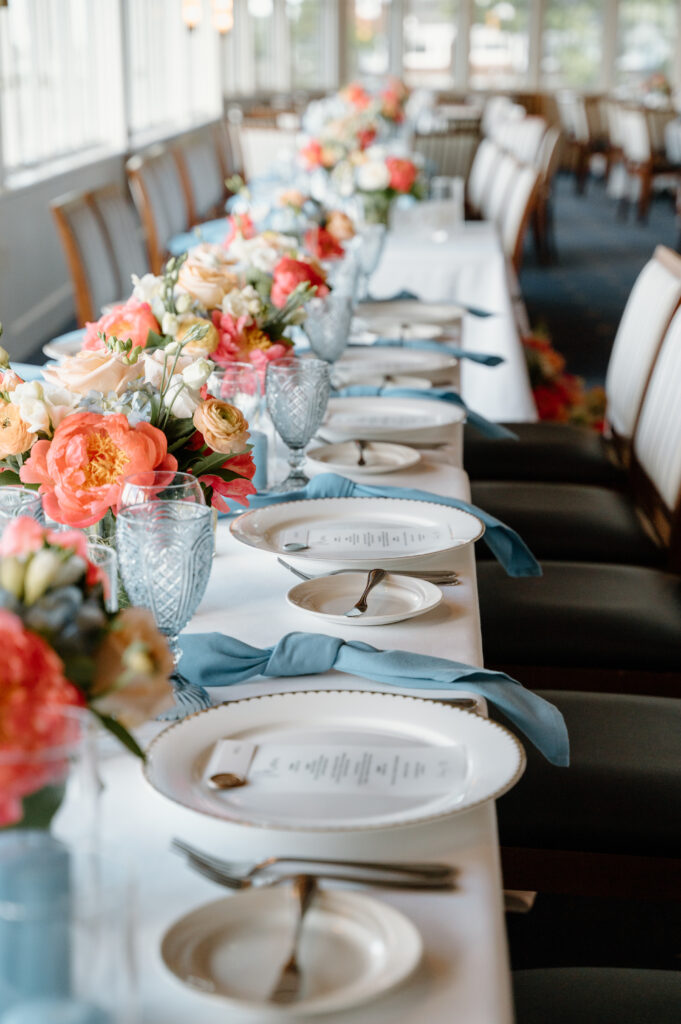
x=373 y=578
x=293 y=545
x=361 y=445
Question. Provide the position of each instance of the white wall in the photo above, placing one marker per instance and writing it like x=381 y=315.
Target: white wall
x=36 y=300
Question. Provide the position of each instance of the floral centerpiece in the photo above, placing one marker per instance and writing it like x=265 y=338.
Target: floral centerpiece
x=380 y=178
x=62 y=649
x=559 y=396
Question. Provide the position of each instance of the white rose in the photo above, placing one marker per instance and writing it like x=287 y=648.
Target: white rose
x=160 y=362
x=42 y=406
x=372 y=176
x=183 y=301
x=197 y=373
x=148 y=289
x=181 y=400
x=242 y=302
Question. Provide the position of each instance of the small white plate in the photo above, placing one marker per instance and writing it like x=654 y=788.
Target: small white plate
x=385 y=418
x=387 y=361
x=353 y=948
x=380 y=457
x=65 y=345
x=392 y=600
x=399 y=311
x=391 y=328
x=177 y=758
x=348 y=377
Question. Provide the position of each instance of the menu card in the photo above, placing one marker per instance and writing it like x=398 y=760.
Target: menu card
x=345 y=539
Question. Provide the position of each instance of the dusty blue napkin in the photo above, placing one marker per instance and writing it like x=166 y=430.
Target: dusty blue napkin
x=505 y=544
x=436 y=346
x=481 y=424
x=213 y=659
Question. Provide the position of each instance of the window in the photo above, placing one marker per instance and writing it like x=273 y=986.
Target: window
x=499 y=43
x=55 y=87
x=430 y=31
x=173 y=73
x=306 y=28
x=645 y=40
x=369 y=38
x=261 y=13
x=572 y=43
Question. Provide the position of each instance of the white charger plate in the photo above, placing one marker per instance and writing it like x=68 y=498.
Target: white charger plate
x=388 y=361
x=357 y=533
x=383 y=418
x=353 y=948
x=392 y=600
x=65 y=345
x=177 y=758
x=391 y=328
x=379 y=456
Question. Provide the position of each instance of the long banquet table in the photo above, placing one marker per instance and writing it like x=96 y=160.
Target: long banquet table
x=464 y=975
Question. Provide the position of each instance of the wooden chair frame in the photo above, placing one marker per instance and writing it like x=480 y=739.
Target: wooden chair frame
x=145 y=209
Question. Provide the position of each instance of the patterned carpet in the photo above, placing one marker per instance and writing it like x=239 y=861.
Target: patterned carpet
x=580 y=298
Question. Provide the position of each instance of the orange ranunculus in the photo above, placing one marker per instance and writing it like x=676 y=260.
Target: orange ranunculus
x=131 y=320
x=289 y=273
x=80 y=471
x=340 y=225
x=403 y=173
x=321 y=244
x=15 y=437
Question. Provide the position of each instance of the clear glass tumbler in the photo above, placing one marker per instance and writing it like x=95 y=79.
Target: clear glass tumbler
x=297 y=392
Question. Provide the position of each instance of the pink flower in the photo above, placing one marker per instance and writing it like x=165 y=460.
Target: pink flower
x=239 y=224
x=403 y=173
x=81 y=470
x=33 y=692
x=289 y=273
x=312 y=154
x=131 y=319
x=356 y=95
x=237 y=490
x=25 y=536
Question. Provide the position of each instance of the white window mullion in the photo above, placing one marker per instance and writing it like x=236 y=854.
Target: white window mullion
x=609 y=51
x=463 y=42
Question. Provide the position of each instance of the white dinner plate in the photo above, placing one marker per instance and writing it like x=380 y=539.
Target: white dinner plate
x=379 y=456
x=388 y=361
x=394 y=599
x=420 y=421
x=65 y=344
x=353 y=948
x=177 y=758
x=400 y=311
x=358 y=532
x=388 y=327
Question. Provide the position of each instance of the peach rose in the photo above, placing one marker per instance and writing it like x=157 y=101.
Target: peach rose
x=93 y=371
x=15 y=437
x=205 y=345
x=206 y=275
x=289 y=273
x=131 y=320
x=340 y=226
x=132 y=669
x=9 y=380
x=223 y=426
x=81 y=470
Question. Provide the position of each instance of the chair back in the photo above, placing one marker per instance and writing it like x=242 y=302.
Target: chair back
x=549 y=156
x=515 y=216
x=656 y=450
x=635 y=136
x=264 y=148
x=482 y=169
x=652 y=302
x=524 y=139
x=88 y=254
x=449 y=152
x=573 y=116
x=124 y=232
x=201 y=174
x=499 y=187
x=160 y=199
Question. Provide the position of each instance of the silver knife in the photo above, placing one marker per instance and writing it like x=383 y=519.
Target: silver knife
x=288 y=984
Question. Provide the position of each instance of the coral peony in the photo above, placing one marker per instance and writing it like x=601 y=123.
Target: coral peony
x=311 y=154
x=289 y=273
x=81 y=470
x=403 y=173
x=322 y=244
x=132 y=320
x=356 y=95
x=33 y=692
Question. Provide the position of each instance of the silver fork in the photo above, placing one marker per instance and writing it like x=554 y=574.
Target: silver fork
x=248 y=869
x=287 y=986
x=443 y=577
x=373 y=579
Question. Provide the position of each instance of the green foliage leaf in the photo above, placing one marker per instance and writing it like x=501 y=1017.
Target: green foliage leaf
x=121 y=733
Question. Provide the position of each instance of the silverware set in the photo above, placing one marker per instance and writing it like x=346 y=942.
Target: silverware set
x=442 y=577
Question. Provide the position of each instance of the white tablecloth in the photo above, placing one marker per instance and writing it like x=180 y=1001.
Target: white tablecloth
x=464 y=975
x=469 y=266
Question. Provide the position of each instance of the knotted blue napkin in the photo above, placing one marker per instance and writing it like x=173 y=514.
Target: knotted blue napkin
x=213 y=659
x=481 y=424
x=506 y=545
x=436 y=346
